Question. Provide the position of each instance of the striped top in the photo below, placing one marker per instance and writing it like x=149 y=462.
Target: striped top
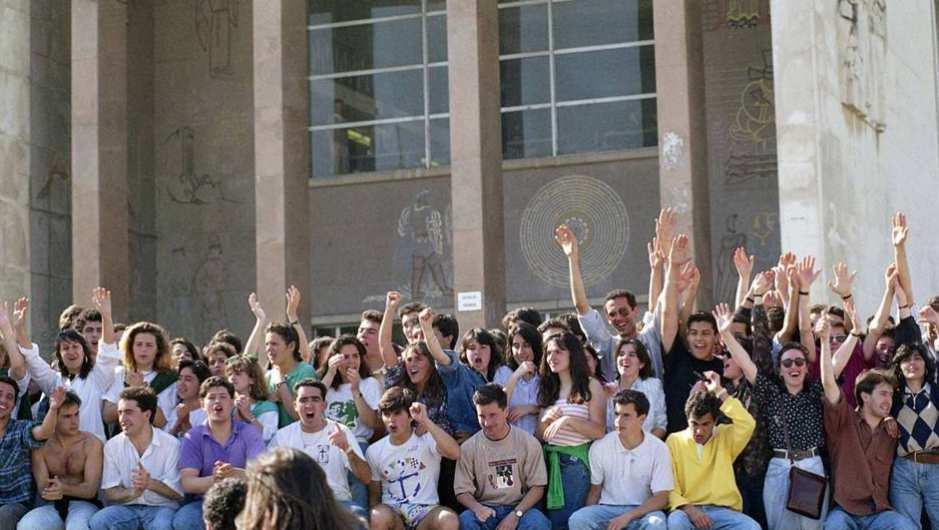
x=566 y=436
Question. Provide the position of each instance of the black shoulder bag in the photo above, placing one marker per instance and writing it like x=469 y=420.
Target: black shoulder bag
x=806 y=489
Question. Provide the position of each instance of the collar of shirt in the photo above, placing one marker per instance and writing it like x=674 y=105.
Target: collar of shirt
x=236 y=427
x=909 y=393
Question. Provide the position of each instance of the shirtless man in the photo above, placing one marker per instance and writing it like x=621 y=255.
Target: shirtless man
x=67 y=470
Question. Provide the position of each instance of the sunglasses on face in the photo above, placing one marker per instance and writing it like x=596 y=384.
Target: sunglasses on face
x=798 y=361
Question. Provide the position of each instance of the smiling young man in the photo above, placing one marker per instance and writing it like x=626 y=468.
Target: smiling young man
x=705 y=493
x=501 y=474
x=630 y=473
x=217 y=449
x=405 y=467
x=140 y=478
x=67 y=470
x=17 y=439
x=330 y=443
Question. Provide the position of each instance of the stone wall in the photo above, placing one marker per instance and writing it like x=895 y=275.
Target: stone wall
x=856 y=106
x=203 y=165
x=741 y=130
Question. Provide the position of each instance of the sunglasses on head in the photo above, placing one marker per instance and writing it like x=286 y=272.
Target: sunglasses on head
x=798 y=361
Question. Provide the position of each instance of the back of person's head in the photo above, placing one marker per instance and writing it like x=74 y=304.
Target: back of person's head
x=223 y=502
x=68 y=316
x=553 y=323
x=573 y=323
x=410 y=307
x=287 y=490
x=225 y=335
x=448 y=326
x=88 y=315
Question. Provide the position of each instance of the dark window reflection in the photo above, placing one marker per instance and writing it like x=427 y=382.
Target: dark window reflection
x=607 y=126
x=328 y=11
x=366 y=46
x=595 y=22
x=367 y=97
x=440 y=142
x=526 y=134
x=606 y=73
x=525 y=81
x=523 y=29
x=368 y=148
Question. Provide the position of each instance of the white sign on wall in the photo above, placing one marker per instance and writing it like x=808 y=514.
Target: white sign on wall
x=469 y=301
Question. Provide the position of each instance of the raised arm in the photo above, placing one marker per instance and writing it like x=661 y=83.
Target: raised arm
x=256 y=339
x=446 y=445
x=426 y=318
x=791 y=318
x=385 y=346
x=725 y=318
x=566 y=239
x=17 y=365
x=744 y=266
x=293 y=319
x=807 y=276
x=842 y=283
x=844 y=352
x=677 y=257
x=657 y=271
x=899 y=233
x=832 y=390
x=39 y=370
x=101 y=299
x=47 y=428
x=879 y=323
x=781 y=278
x=688 y=292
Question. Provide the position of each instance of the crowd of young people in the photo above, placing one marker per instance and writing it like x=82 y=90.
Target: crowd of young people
x=675 y=418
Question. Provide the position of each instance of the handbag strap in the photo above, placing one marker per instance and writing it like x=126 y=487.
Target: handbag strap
x=785 y=426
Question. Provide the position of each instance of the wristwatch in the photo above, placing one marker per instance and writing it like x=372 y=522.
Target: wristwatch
x=519 y=513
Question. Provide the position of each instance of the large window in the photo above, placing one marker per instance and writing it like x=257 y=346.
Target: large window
x=378 y=85
x=577 y=76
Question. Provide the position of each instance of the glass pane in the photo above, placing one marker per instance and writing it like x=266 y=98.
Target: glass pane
x=526 y=134
x=438 y=86
x=379 y=45
x=523 y=29
x=607 y=126
x=622 y=72
x=327 y=11
x=525 y=81
x=437 y=38
x=593 y=22
x=367 y=97
x=440 y=142
x=368 y=148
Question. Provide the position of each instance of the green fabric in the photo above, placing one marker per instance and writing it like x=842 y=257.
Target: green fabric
x=262 y=407
x=162 y=381
x=300 y=372
x=555 y=483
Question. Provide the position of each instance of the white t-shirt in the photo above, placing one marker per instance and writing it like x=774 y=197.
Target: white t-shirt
x=166 y=399
x=333 y=460
x=630 y=477
x=160 y=459
x=340 y=406
x=408 y=472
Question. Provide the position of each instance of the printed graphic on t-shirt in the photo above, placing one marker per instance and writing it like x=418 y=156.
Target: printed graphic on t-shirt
x=343 y=412
x=402 y=476
x=319 y=452
x=502 y=474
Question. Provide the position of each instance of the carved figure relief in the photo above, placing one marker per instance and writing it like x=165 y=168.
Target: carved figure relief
x=862 y=41
x=426 y=232
x=216 y=22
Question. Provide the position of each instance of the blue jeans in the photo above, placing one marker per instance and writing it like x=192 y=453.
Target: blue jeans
x=838 y=519
x=133 y=517
x=576 y=479
x=911 y=486
x=46 y=517
x=189 y=517
x=722 y=518
x=598 y=517
x=775 y=493
x=532 y=520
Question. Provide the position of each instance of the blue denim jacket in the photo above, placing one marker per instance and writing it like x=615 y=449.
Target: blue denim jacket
x=461 y=381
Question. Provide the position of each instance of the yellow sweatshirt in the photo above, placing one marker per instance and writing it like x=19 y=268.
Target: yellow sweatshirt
x=709 y=478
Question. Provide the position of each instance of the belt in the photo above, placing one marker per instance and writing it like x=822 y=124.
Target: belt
x=923 y=457
x=796 y=455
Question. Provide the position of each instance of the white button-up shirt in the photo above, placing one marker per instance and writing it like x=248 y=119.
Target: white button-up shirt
x=161 y=460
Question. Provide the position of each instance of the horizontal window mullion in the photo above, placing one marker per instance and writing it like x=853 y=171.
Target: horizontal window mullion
x=363 y=21
x=523 y=55
x=353 y=124
x=611 y=99
x=371 y=71
x=519 y=108
x=605 y=47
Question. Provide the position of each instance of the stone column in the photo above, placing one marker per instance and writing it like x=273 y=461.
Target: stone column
x=281 y=152
x=476 y=159
x=679 y=80
x=100 y=253
x=14 y=148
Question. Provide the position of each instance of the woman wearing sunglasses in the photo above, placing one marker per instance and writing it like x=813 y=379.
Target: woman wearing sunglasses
x=788 y=402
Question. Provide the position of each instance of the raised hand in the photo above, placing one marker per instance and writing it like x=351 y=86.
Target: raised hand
x=665 y=225
x=787 y=260
x=724 y=317
x=426 y=316
x=843 y=281
x=5 y=322
x=807 y=273
x=712 y=382
x=243 y=406
x=762 y=283
x=772 y=299
x=688 y=277
x=929 y=315
x=742 y=262
x=891 y=277
x=134 y=378
x=338 y=438
x=525 y=368
x=293 y=303
x=566 y=239
x=256 y=308
x=419 y=413
x=899 y=229
x=335 y=363
x=392 y=299
x=679 y=254
x=353 y=378
x=101 y=299
x=20 y=310
x=823 y=328
x=850 y=311
x=656 y=256
x=57 y=398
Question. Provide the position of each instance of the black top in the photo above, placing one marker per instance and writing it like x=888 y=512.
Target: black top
x=801 y=413
x=680 y=376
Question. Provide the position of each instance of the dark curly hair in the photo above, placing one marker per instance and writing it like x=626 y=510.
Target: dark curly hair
x=905 y=352
x=223 y=502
